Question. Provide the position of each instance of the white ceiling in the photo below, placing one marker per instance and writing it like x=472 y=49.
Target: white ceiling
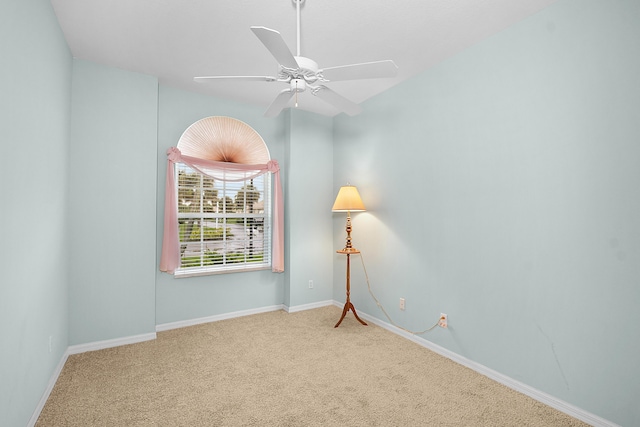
x=177 y=40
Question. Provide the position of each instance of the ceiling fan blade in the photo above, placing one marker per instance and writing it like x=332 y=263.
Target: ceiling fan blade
x=240 y=78
x=279 y=103
x=366 y=70
x=276 y=45
x=338 y=101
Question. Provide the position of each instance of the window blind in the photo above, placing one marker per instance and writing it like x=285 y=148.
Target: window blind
x=222 y=225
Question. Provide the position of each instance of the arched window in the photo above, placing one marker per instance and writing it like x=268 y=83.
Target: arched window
x=222 y=213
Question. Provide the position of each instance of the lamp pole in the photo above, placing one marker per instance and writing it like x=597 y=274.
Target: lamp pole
x=348 y=250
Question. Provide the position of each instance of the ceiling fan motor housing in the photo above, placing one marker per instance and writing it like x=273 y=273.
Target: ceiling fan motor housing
x=307 y=69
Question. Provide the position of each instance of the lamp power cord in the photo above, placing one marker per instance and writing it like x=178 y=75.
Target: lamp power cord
x=385 y=312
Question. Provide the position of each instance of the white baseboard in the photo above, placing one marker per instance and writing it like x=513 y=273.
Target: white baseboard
x=538 y=395
x=48 y=390
x=309 y=306
x=216 y=318
x=82 y=348
x=518 y=386
x=101 y=345
x=234 y=314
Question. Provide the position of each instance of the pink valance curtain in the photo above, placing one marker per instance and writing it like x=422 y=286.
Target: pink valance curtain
x=170 y=258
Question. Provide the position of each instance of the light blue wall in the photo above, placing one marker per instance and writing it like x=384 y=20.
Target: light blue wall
x=35 y=82
x=112 y=203
x=309 y=197
x=197 y=297
x=502 y=189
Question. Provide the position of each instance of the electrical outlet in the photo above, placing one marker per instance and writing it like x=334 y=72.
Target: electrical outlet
x=310 y=284
x=401 y=303
x=443 y=322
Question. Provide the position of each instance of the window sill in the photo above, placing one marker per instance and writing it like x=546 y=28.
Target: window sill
x=180 y=274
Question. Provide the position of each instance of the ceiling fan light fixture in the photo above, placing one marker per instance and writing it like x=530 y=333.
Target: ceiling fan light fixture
x=298 y=85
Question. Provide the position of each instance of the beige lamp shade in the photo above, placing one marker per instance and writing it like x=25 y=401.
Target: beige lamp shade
x=224 y=139
x=348 y=200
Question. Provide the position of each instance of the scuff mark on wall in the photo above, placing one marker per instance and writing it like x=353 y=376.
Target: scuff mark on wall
x=555 y=356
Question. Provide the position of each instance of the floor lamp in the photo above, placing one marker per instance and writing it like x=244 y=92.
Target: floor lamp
x=348 y=200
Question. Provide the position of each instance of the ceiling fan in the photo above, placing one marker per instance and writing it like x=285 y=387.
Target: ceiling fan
x=302 y=73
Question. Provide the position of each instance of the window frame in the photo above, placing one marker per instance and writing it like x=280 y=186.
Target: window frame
x=201 y=216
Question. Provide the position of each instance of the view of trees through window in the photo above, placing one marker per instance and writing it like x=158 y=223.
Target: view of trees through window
x=222 y=223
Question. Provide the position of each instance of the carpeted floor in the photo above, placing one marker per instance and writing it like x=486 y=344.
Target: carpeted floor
x=280 y=369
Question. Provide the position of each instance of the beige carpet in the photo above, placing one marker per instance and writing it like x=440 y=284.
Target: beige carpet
x=280 y=369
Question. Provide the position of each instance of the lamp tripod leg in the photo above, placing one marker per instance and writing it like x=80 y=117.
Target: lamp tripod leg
x=344 y=313
x=356 y=314
x=349 y=306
